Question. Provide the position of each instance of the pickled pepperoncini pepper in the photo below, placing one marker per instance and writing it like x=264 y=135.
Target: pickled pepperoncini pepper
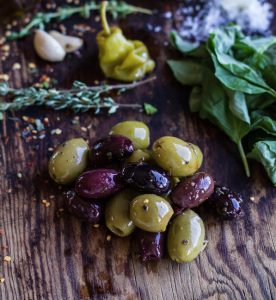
x=120 y=58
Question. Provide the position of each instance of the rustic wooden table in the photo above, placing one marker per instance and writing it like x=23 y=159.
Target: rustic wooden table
x=61 y=258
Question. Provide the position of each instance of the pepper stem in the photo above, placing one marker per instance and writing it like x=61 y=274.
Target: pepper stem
x=103 y=16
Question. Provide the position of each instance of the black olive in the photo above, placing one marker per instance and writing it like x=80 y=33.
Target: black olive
x=224 y=204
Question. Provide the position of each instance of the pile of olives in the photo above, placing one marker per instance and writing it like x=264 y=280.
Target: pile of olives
x=135 y=188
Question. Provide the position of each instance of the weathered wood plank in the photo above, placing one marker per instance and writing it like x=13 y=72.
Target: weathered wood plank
x=239 y=262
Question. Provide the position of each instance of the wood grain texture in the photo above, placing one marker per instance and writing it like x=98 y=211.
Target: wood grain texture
x=239 y=262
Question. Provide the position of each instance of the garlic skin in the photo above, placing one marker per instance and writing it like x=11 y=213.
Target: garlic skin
x=68 y=43
x=47 y=47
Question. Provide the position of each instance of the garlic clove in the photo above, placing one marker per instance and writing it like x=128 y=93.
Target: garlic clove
x=68 y=43
x=47 y=47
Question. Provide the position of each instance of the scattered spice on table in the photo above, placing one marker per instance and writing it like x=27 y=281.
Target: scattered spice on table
x=7 y=258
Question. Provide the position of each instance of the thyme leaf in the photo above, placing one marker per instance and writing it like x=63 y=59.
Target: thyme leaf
x=40 y=19
x=80 y=98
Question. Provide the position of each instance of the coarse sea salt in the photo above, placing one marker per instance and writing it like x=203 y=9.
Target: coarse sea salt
x=196 y=18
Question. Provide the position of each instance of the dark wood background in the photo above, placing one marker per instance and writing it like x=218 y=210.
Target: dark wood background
x=62 y=258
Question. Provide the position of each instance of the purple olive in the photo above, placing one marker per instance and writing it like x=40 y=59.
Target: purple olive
x=147 y=178
x=176 y=210
x=224 y=204
x=98 y=183
x=151 y=244
x=193 y=191
x=87 y=210
x=110 y=149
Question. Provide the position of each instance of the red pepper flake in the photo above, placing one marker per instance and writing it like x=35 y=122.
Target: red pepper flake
x=46 y=181
x=94 y=235
x=1 y=231
x=31 y=121
x=29 y=138
x=46 y=121
x=58 y=215
x=34 y=200
x=20 y=154
x=55 y=146
x=4 y=247
x=31 y=163
x=7 y=138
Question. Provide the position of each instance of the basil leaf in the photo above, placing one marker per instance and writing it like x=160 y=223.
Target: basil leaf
x=270 y=76
x=234 y=82
x=237 y=105
x=187 y=72
x=262 y=120
x=186 y=47
x=215 y=107
x=195 y=99
x=259 y=101
x=265 y=153
x=219 y=46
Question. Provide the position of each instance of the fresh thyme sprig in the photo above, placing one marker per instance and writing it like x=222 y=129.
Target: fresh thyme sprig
x=40 y=19
x=80 y=98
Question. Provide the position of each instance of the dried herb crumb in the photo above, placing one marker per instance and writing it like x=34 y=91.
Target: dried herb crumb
x=149 y=109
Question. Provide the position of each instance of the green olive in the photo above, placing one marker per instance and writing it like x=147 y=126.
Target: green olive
x=199 y=154
x=117 y=213
x=142 y=156
x=176 y=156
x=138 y=132
x=69 y=161
x=175 y=181
x=185 y=237
x=150 y=212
